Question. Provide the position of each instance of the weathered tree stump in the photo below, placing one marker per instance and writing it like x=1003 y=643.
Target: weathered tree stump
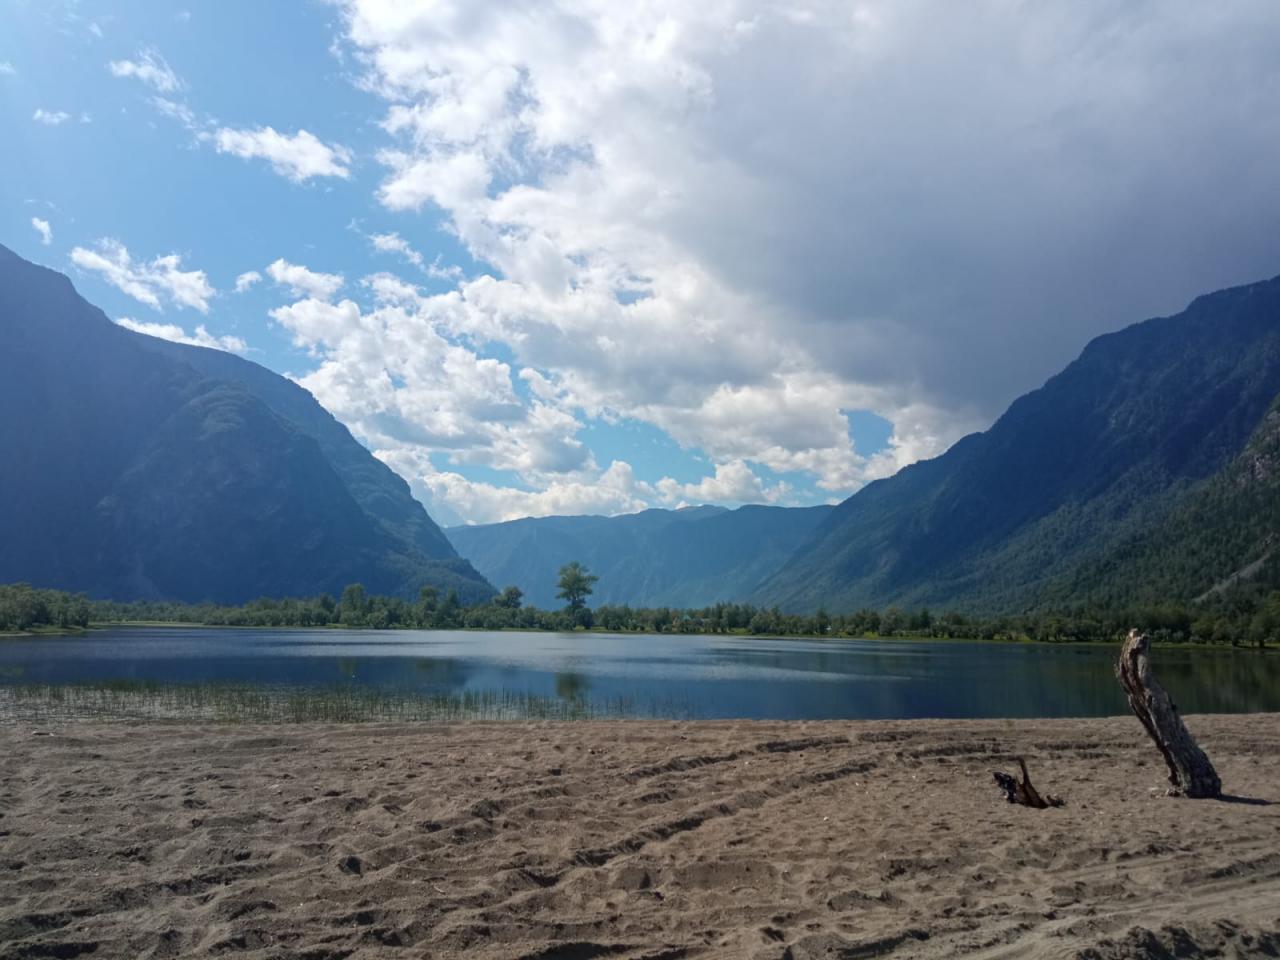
x=1024 y=793
x=1190 y=772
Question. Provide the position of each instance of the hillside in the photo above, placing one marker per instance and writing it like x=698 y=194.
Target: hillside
x=135 y=468
x=678 y=558
x=1106 y=465
x=1224 y=532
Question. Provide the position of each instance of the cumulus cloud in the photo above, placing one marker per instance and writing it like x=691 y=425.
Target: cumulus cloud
x=42 y=227
x=149 y=67
x=454 y=499
x=247 y=280
x=304 y=282
x=50 y=118
x=171 y=331
x=733 y=482
x=735 y=221
x=299 y=156
x=147 y=282
x=397 y=376
x=401 y=377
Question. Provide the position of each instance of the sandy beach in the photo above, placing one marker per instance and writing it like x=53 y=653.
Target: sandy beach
x=633 y=840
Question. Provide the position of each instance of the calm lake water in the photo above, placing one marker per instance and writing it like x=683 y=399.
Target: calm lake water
x=695 y=676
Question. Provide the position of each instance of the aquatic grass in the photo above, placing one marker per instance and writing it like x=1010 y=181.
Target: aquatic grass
x=236 y=703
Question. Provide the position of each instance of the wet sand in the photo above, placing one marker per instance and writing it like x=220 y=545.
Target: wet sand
x=633 y=840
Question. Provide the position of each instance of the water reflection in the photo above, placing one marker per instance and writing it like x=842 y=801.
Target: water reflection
x=698 y=676
x=572 y=686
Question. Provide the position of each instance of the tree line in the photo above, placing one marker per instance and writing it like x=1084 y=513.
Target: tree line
x=1241 y=616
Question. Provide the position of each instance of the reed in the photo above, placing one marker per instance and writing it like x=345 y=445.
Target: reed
x=232 y=703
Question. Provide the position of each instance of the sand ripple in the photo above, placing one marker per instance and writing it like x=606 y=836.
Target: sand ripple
x=573 y=841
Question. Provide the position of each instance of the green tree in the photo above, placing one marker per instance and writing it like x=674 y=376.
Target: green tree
x=822 y=621
x=510 y=598
x=354 y=604
x=575 y=584
x=450 y=610
x=425 y=612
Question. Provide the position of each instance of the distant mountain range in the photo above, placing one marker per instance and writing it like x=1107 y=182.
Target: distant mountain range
x=675 y=558
x=1146 y=471
x=138 y=468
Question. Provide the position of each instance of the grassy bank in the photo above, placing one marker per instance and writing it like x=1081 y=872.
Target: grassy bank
x=151 y=702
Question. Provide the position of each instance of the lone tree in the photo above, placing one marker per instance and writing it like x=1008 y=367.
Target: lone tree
x=575 y=585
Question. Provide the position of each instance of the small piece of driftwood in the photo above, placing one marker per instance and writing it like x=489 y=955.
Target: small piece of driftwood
x=1190 y=772
x=1024 y=793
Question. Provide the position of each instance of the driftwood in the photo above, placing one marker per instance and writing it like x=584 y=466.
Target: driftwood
x=1190 y=772
x=1024 y=793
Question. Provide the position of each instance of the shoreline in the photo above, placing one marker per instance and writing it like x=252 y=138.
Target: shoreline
x=99 y=626
x=245 y=704
x=643 y=839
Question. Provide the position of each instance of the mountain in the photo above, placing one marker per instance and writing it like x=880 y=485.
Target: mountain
x=137 y=468
x=1224 y=532
x=678 y=558
x=1084 y=488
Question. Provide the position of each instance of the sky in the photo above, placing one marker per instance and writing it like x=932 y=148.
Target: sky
x=591 y=257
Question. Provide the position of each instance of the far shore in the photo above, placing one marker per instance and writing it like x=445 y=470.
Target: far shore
x=97 y=626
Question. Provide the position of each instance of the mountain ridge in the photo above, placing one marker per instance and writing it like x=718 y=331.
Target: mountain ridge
x=1105 y=448
x=135 y=475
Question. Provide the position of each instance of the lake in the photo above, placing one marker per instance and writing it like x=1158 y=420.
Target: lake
x=676 y=676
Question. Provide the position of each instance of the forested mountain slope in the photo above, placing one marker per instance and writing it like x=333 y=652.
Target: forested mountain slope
x=1223 y=534
x=1100 y=468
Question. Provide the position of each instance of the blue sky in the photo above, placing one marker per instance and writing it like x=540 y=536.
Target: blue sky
x=575 y=258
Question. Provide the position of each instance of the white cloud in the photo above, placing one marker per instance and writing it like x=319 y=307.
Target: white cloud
x=315 y=323
x=592 y=287
x=177 y=110
x=42 y=227
x=303 y=282
x=247 y=280
x=735 y=221
x=733 y=482
x=171 y=331
x=298 y=156
x=50 y=118
x=149 y=67
x=147 y=282
x=431 y=406
x=442 y=271
x=7 y=69
x=394 y=243
x=396 y=376
x=452 y=498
